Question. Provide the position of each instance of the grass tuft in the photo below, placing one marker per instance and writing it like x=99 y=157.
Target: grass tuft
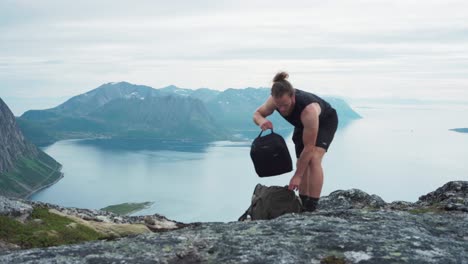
x=50 y=230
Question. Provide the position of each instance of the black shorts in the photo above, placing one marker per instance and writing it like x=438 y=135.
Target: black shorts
x=327 y=128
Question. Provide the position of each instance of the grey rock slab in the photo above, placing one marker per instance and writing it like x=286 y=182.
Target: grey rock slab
x=356 y=236
x=14 y=208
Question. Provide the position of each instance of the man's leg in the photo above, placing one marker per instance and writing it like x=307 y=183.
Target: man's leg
x=304 y=186
x=312 y=181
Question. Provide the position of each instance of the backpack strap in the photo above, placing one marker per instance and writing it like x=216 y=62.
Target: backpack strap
x=244 y=216
x=248 y=212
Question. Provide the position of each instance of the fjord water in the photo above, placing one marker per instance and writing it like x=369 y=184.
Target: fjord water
x=398 y=152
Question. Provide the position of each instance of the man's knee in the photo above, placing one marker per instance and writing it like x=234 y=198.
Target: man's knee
x=317 y=156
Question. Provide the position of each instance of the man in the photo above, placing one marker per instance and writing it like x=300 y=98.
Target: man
x=315 y=123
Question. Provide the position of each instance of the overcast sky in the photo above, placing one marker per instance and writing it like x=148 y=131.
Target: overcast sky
x=405 y=49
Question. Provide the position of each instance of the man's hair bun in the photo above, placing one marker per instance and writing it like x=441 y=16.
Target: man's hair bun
x=280 y=76
x=281 y=86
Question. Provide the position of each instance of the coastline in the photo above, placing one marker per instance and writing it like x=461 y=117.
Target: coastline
x=28 y=197
x=123 y=209
x=138 y=210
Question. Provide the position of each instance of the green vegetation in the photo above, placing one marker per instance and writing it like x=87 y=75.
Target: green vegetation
x=127 y=208
x=44 y=229
x=332 y=260
x=35 y=133
x=29 y=174
x=426 y=210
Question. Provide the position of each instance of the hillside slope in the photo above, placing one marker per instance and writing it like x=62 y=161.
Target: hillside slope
x=24 y=168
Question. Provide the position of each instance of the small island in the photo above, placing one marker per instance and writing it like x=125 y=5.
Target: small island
x=460 y=130
x=127 y=208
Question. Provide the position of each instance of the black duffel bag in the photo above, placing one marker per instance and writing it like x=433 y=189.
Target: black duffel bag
x=270 y=155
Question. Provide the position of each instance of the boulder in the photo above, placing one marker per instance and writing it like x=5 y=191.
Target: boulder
x=14 y=208
x=350 y=199
x=451 y=196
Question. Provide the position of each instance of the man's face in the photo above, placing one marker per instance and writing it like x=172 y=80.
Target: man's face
x=284 y=104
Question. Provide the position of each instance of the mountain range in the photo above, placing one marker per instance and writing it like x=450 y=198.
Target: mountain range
x=125 y=110
x=460 y=130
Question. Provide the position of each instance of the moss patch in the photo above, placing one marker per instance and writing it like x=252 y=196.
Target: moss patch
x=426 y=210
x=108 y=230
x=44 y=229
x=332 y=260
x=127 y=208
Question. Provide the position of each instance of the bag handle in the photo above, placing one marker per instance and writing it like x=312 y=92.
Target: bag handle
x=272 y=132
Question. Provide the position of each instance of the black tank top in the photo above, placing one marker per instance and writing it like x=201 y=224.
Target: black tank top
x=303 y=99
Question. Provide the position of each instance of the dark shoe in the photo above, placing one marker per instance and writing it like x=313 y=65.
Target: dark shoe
x=309 y=203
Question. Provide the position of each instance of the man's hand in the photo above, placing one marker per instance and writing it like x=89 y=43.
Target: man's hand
x=294 y=183
x=266 y=125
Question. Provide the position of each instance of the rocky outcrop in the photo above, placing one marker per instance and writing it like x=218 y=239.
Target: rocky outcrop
x=451 y=196
x=154 y=223
x=12 y=142
x=351 y=199
x=109 y=225
x=14 y=208
x=21 y=209
x=349 y=227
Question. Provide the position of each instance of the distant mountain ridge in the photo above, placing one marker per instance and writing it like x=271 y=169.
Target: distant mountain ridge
x=123 y=109
x=104 y=94
x=88 y=102
x=23 y=167
x=460 y=130
x=188 y=119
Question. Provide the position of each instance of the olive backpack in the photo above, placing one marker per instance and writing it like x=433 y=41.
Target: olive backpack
x=271 y=202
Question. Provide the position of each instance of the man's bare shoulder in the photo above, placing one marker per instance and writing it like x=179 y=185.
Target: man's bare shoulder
x=310 y=114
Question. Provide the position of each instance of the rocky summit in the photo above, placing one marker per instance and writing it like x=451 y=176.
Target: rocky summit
x=350 y=226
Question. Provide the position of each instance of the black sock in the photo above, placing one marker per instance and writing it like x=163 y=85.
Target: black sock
x=309 y=203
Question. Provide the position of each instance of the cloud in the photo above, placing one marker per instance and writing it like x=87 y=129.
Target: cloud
x=380 y=47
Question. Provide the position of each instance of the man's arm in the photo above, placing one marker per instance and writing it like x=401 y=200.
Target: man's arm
x=310 y=121
x=262 y=112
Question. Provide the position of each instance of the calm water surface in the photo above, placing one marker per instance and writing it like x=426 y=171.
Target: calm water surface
x=396 y=152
